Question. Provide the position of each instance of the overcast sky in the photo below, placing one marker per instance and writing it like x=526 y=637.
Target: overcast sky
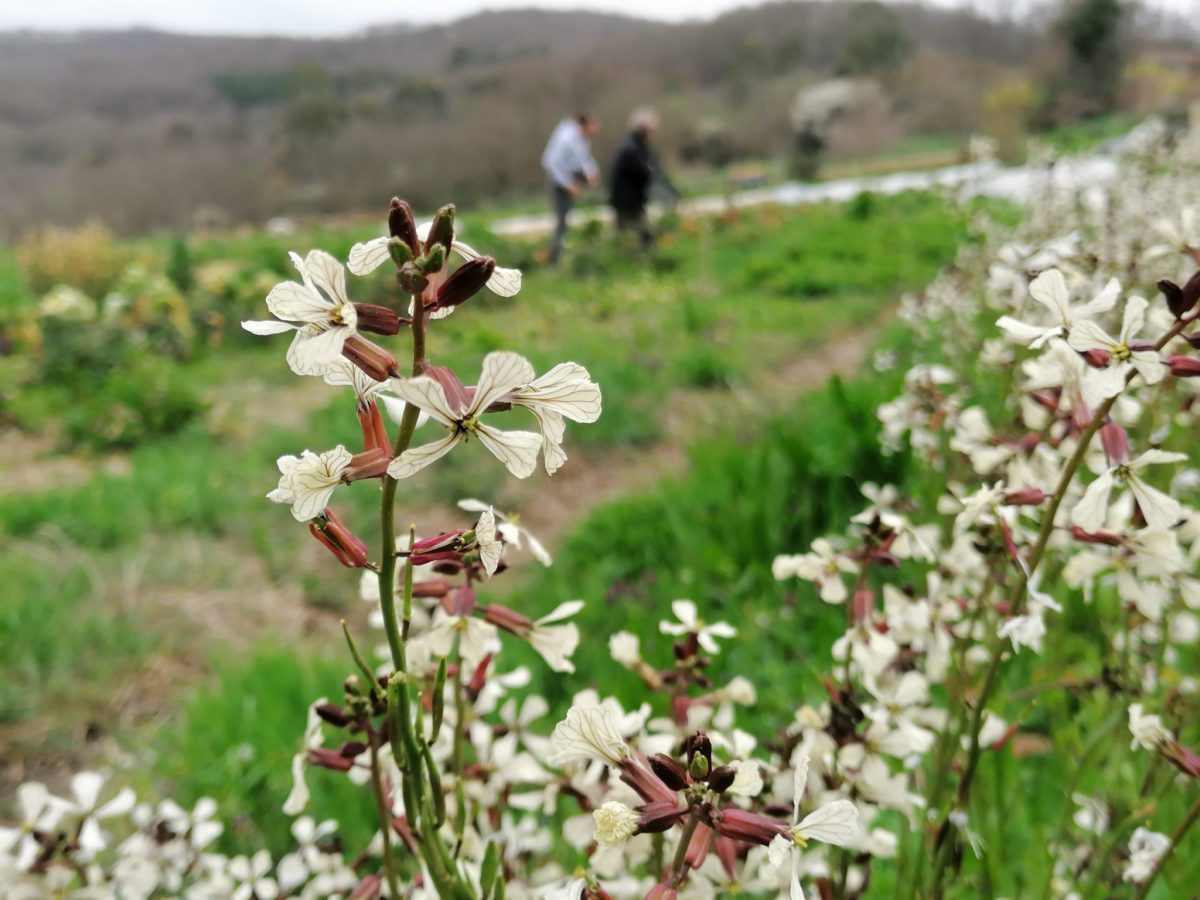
x=332 y=17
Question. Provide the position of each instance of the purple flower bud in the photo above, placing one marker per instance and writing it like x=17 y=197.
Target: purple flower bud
x=377 y=319
x=376 y=362
x=466 y=281
x=669 y=771
x=743 y=825
x=401 y=224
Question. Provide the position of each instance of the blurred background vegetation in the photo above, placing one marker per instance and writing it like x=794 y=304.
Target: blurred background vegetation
x=148 y=130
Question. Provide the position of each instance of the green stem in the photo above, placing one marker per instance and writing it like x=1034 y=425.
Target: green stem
x=679 y=863
x=1177 y=835
x=371 y=683
x=385 y=815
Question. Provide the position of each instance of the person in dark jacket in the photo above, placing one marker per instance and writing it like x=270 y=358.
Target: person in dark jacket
x=634 y=170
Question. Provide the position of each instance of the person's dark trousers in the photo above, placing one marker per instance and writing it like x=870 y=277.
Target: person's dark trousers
x=635 y=220
x=562 y=201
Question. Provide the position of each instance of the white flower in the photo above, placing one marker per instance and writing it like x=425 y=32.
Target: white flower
x=615 y=824
x=1050 y=290
x=502 y=373
x=367 y=256
x=625 y=648
x=1060 y=366
x=38 y=813
x=307 y=481
x=1146 y=848
x=316 y=310
x=476 y=638
x=571 y=890
x=295 y=868
x=85 y=803
x=298 y=798
x=1088 y=335
x=588 y=733
x=1158 y=509
x=490 y=549
x=1026 y=631
x=508 y=524
x=823 y=566
x=1148 y=730
x=253 y=877
x=690 y=623
x=1092 y=815
x=556 y=643
x=566 y=391
x=834 y=823
x=748 y=781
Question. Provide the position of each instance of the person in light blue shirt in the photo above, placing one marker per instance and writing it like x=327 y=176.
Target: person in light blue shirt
x=570 y=168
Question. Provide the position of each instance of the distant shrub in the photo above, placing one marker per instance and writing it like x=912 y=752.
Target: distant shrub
x=146 y=397
x=87 y=258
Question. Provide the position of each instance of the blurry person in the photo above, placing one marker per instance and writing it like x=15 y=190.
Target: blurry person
x=568 y=162
x=634 y=171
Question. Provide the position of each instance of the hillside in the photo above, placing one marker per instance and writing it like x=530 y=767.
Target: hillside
x=147 y=130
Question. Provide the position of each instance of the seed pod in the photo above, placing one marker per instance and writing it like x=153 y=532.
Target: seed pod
x=439 y=699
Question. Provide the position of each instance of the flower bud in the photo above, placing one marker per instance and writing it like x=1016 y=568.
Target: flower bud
x=699 y=845
x=672 y=774
x=400 y=252
x=411 y=279
x=721 y=778
x=637 y=774
x=743 y=825
x=349 y=549
x=376 y=362
x=447 y=540
x=662 y=892
x=433 y=587
x=370 y=888
x=1184 y=366
x=659 y=815
x=1115 y=440
x=1180 y=300
x=433 y=261
x=1107 y=538
x=1097 y=358
x=374 y=431
x=333 y=714
x=510 y=620
x=1029 y=496
x=478 y=678
x=402 y=225
x=368 y=464
x=441 y=230
x=325 y=758
x=465 y=282
x=1180 y=757
x=377 y=319
x=699 y=745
